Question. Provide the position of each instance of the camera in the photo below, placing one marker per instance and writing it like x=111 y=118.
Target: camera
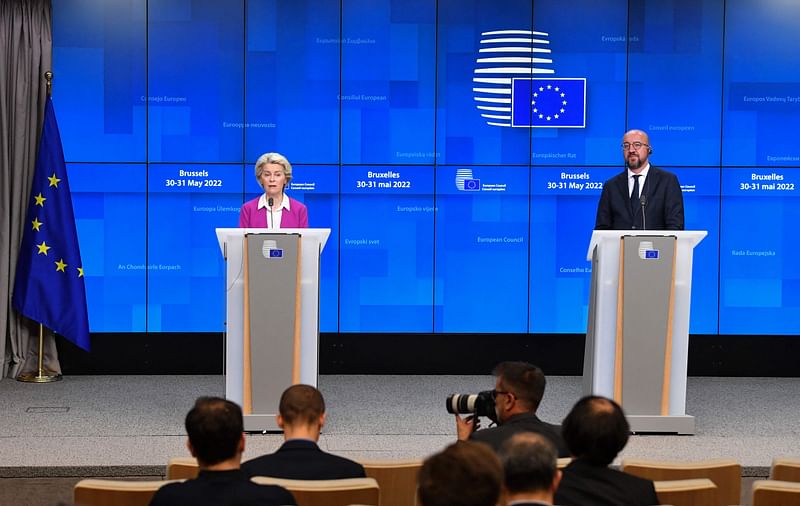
x=480 y=404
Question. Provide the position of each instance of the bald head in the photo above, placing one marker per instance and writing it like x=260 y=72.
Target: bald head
x=596 y=430
x=636 y=149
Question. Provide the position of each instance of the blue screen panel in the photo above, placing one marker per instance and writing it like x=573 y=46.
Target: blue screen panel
x=674 y=78
x=195 y=81
x=109 y=201
x=186 y=271
x=759 y=277
x=481 y=249
x=762 y=87
x=100 y=83
x=317 y=186
x=386 y=241
x=388 y=74
x=701 y=208
x=292 y=83
x=563 y=208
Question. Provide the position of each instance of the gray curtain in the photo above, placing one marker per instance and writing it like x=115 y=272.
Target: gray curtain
x=25 y=54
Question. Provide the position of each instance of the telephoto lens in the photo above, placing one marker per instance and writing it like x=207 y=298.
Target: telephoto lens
x=480 y=404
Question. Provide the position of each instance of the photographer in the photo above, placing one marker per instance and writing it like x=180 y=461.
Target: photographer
x=518 y=391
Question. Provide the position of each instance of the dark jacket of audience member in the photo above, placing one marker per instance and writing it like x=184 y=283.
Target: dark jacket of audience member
x=216 y=439
x=302 y=416
x=596 y=431
x=521 y=423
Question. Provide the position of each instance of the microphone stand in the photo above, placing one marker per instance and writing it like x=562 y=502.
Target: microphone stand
x=270 y=202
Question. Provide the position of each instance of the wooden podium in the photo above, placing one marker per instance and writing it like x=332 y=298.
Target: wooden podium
x=272 y=316
x=637 y=340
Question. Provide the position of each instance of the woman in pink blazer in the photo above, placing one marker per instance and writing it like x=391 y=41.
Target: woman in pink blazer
x=273 y=209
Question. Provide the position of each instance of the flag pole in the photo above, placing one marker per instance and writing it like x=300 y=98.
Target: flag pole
x=41 y=377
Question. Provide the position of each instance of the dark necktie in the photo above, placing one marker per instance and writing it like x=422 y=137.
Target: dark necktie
x=635 y=194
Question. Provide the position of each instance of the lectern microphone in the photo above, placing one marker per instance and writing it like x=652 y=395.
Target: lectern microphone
x=271 y=201
x=643 y=202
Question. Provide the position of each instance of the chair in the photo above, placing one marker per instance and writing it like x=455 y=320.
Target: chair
x=725 y=473
x=784 y=469
x=563 y=462
x=397 y=480
x=116 y=492
x=328 y=492
x=182 y=468
x=699 y=492
x=776 y=493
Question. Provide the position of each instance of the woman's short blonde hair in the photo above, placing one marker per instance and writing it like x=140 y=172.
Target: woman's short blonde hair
x=277 y=158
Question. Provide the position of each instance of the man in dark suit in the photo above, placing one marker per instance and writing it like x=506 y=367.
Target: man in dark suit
x=463 y=474
x=530 y=470
x=642 y=197
x=216 y=439
x=596 y=431
x=519 y=388
x=302 y=416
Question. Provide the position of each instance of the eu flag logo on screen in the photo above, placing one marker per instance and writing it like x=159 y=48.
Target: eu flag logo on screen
x=49 y=284
x=548 y=103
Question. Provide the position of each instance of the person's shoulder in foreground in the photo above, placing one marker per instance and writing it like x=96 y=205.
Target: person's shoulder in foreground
x=224 y=488
x=596 y=431
x=216 y=439
x=301 y=415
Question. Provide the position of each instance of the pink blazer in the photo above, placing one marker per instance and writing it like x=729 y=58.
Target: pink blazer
x=251 y=216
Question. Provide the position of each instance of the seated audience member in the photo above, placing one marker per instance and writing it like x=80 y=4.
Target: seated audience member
x=596 y=431
x=530 y=469
x=518 y=391
x=301 y=415
x=463 y=474
x=216 y=439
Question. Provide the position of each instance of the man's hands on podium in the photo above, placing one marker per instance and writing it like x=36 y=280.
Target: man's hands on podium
x=466 y=426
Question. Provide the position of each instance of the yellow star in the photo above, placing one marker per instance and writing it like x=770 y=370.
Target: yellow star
x=36 y=224
x=54 y=180
x=80 y=272
x=60 y=265
x=40 y=200
x=43 y=248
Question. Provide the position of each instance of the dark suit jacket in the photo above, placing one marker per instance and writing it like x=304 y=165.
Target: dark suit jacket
x=583 y=483
x=523 y=422
x=301 y=459
x=663 y=209
x=221 y=488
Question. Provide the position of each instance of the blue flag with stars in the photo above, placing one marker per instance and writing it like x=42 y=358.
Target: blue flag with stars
x=49 y=285
x=555 y=102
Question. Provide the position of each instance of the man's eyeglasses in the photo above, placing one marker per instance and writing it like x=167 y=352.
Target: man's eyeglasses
x=496 y=392
x=636 y=145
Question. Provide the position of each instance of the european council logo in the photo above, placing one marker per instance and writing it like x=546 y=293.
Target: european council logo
x=508 y=94
x=466 y=182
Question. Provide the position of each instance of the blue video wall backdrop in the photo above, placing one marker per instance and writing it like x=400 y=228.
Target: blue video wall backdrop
x=456 y=150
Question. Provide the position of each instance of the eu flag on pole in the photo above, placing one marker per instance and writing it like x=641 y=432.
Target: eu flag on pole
x=49 y=286
x=555 y=102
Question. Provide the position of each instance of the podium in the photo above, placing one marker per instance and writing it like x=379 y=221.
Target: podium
x=272 y=316
x=637 y=339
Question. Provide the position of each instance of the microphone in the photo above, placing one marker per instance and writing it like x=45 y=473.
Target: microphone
x=643 y=202
x=270 y=201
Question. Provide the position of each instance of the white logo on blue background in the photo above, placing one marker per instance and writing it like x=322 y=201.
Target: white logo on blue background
x=465 y=181
x=508 y=95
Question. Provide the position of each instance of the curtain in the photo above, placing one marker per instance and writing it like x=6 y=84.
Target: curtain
x=25 y=54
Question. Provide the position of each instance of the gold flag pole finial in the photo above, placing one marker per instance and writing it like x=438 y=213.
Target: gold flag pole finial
x=49 y=78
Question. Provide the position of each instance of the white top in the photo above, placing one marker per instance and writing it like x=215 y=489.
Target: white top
x=276 y=213
x=643 y=175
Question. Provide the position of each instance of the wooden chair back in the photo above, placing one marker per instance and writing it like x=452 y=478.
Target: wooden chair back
x=725 y=473
x=328 y=492
x=699 y=492
x=785 y=469
x=776 y=493
x=182 y=468
x=117 y=492
x=397 y=480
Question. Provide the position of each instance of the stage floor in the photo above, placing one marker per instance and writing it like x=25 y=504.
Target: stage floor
x=131 y=425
